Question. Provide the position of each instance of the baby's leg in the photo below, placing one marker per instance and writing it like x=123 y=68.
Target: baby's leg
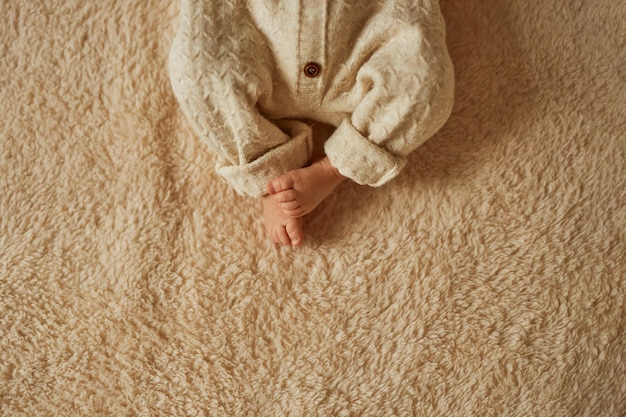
x=279 y=227
x=298 y=192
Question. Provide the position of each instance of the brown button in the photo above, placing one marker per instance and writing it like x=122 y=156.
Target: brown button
x=311 y=70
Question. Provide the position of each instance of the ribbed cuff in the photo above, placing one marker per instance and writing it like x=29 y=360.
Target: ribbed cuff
x=252 y=178
x=359 y=159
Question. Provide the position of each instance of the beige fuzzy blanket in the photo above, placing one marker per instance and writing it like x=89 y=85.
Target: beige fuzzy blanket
x=488 y=279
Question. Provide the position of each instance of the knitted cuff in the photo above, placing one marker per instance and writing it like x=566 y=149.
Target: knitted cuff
x=359 y=159
x=252 y=178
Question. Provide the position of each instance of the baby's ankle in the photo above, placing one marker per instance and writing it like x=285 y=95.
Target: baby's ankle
x=329 y=168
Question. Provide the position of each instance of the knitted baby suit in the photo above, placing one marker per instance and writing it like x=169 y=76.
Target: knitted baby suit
x=247 y=72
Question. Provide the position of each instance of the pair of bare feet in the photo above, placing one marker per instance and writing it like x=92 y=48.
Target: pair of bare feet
x=294 y=195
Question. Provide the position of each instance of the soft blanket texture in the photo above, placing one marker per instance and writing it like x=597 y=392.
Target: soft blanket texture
x=487 y=279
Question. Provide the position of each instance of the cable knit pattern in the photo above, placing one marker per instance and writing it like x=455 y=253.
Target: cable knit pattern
x=385 y=82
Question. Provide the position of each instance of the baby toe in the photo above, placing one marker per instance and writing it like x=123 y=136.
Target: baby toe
x=279 y=184
x=296 y=235
x=281 y=236
x=294 y=213
x=289 y=205
x=285 y=196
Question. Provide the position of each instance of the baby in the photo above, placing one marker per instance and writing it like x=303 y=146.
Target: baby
x=252 y=75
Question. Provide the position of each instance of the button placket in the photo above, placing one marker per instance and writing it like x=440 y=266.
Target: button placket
x=311 y=46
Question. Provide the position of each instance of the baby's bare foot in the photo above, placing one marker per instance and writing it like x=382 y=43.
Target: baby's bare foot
x=298 y=192
x=281 y=229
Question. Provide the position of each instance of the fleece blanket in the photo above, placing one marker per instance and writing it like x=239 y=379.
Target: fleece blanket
x=488 y=279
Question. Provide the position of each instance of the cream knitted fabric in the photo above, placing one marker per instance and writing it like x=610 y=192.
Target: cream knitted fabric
x=384 y=79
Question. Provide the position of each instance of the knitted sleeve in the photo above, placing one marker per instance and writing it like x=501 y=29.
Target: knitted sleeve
x=218 y=79
x=409 y=86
